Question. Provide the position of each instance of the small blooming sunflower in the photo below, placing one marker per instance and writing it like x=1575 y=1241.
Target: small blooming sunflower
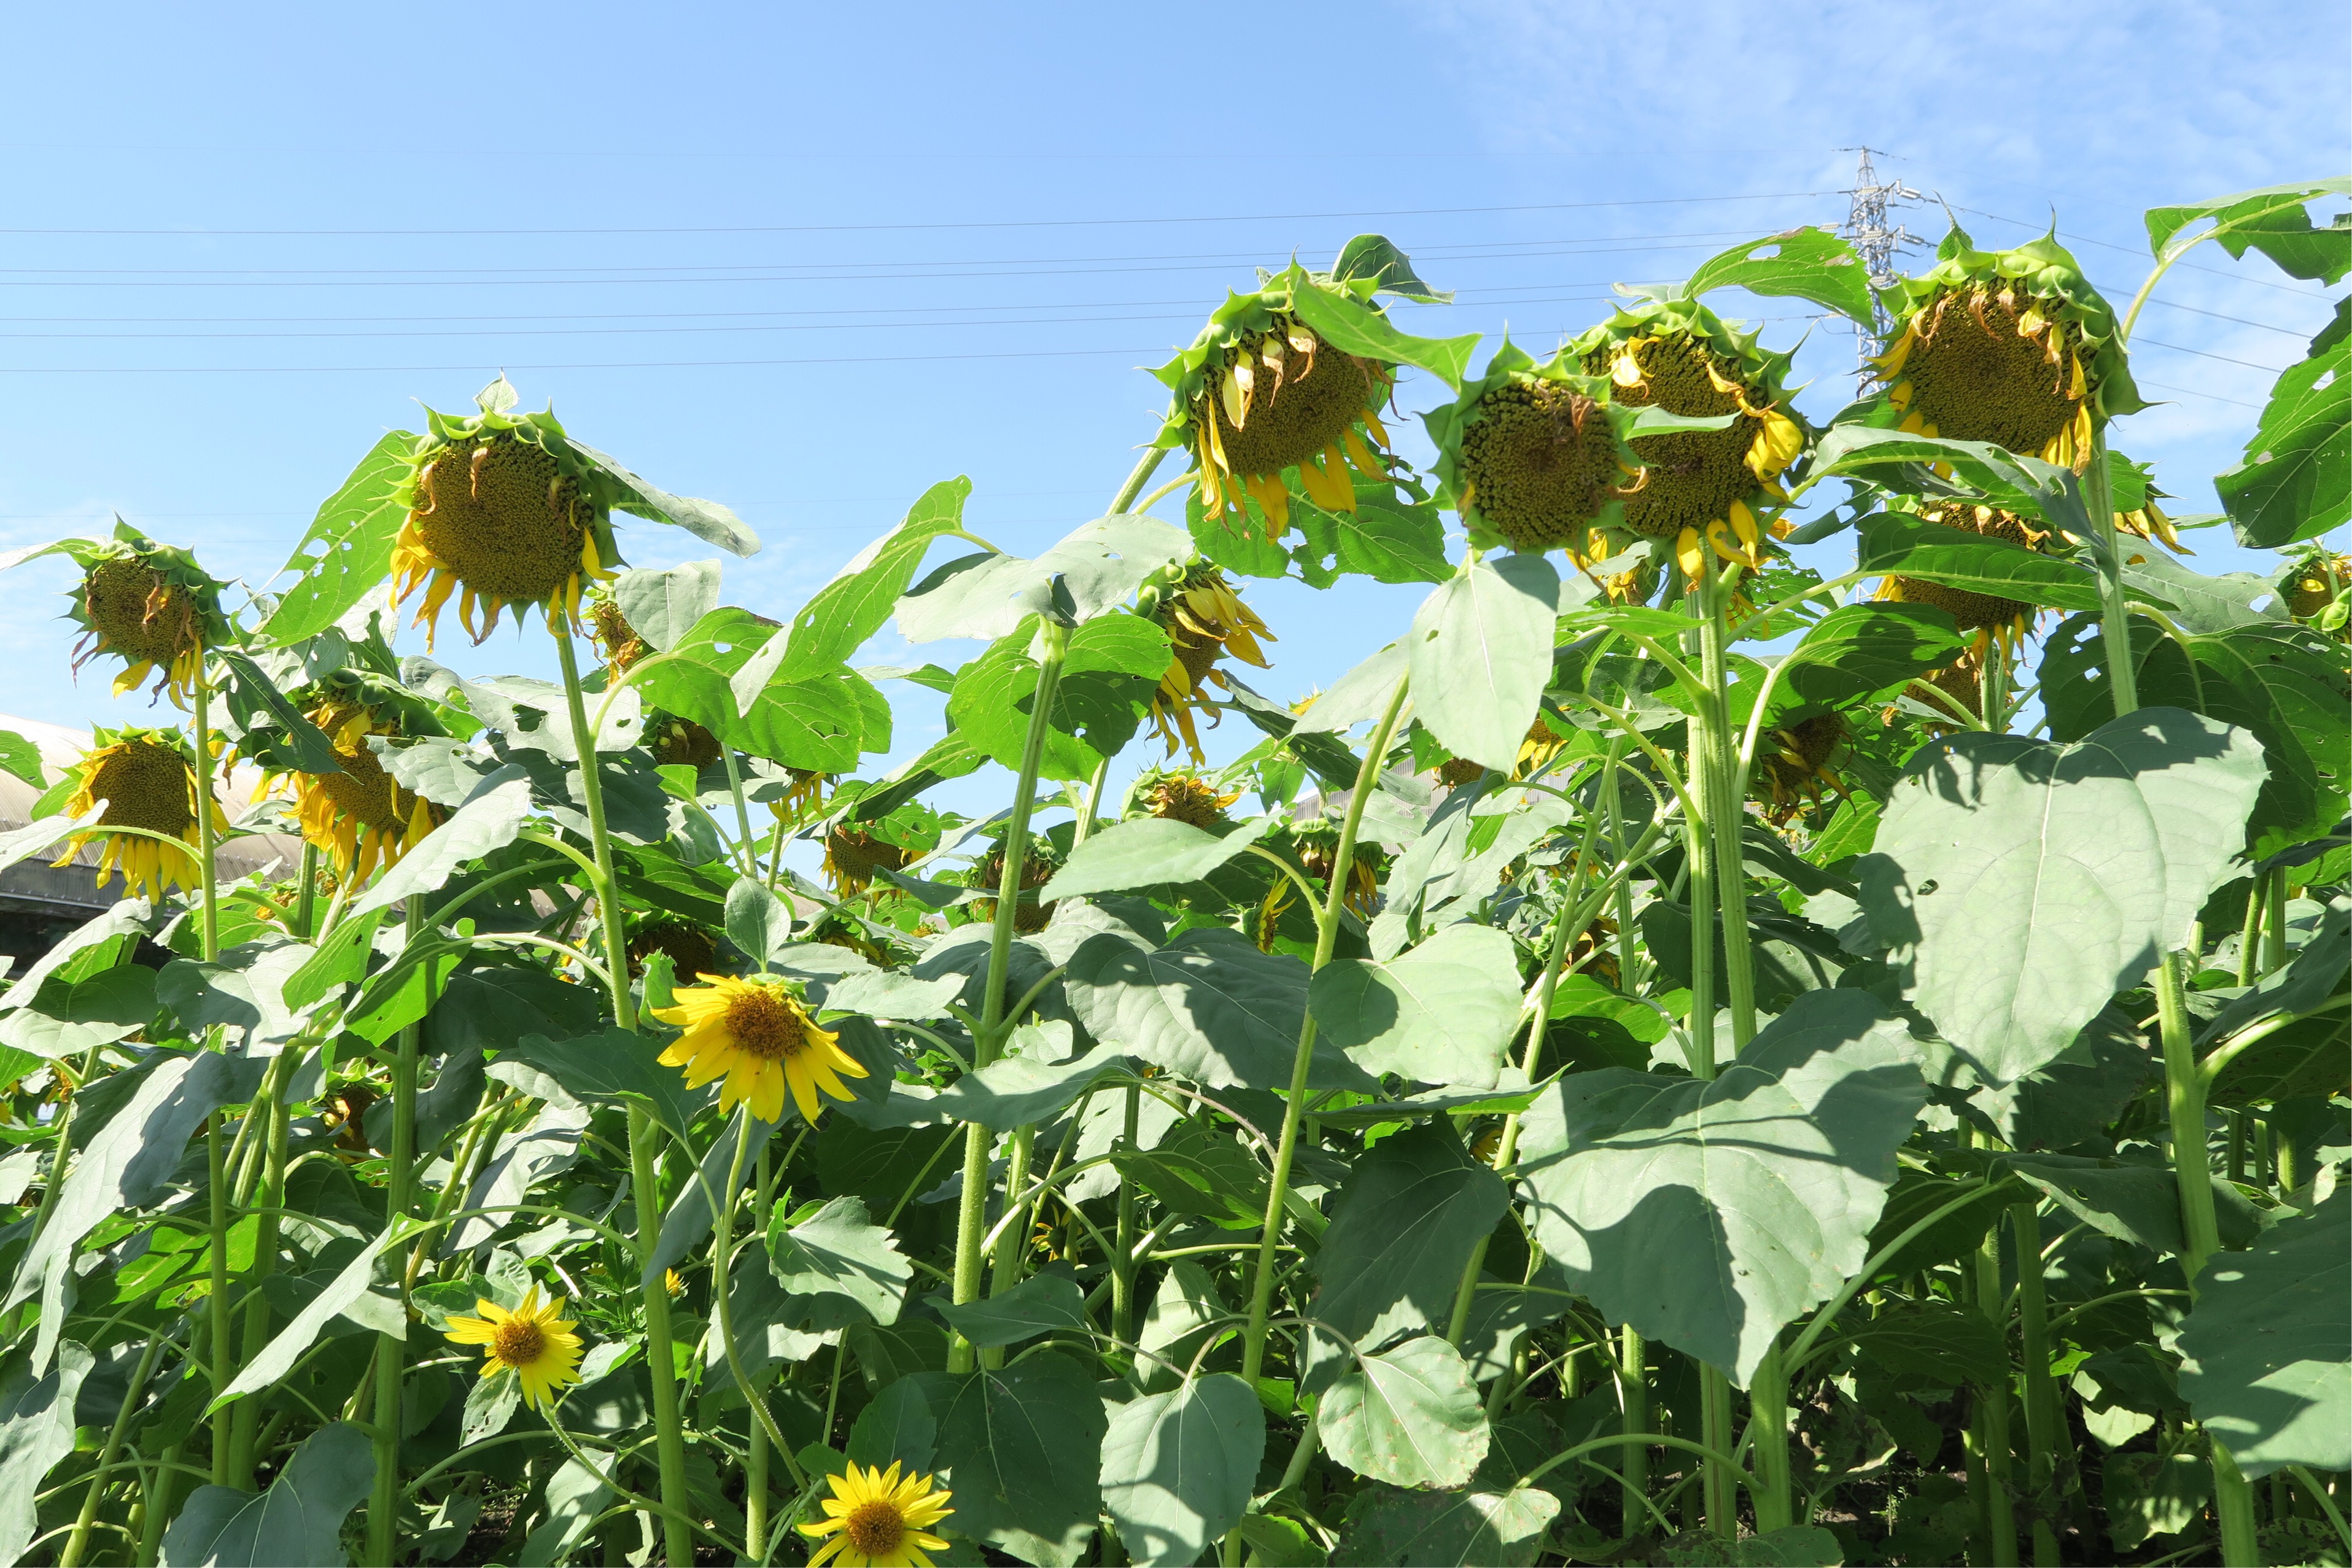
x=533 y=1342
x=877 y=1519
x=758 y=1035
x=2013 y=347
x=146 y=781
x=1204 y=620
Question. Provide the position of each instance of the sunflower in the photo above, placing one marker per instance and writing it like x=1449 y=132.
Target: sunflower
x=504 y=508
x=2013 y=347
x=538 y=1346
x=1455 y=771
x=1183 y=795
x=133 y=607
x=1799 y=761
x=361 y=816
x=853 y=856
x=1992 y=618
x=1537 y=750
x=1960 y=681
x=680 y=742
x=673 y=1284
x=1535 y=456
x=1316 y=844
x=147 y=782
x=2314 y=583
x=878 y=1520
x=759 y=1037
x=621 y=645
x=1029 y=916
x=689 y=948
x=1699 y=484
x=1594 y=953
x=1204 y=619
x=804 y=789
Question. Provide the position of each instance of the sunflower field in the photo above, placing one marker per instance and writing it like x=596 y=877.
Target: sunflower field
x=1704 y=1048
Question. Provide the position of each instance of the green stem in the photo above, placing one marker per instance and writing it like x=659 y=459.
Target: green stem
x=2115 y=610
x=1293 y=1107
x=1633 y=1395
x=1141 y=476
x=2040 y=1392
x=155 y=1505
x=1123 y=1260
x=400 y=1168
x=1767 y=1416
x=677 y=1535
x=1992 y=1422
x=755 y=1444
x=271 y=1196
x=742 y=812
x=972 y=1213
x=79 y=1542
x=2250 y=936
x=224 y=1342
x=1726 y=778
x=2233 y=1499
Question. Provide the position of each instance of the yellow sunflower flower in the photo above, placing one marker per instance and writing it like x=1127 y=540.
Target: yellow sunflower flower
x=1541 y=744
x=2011 y=347
x=495 y=511
x=759 y=1037
x=132 y=608
x=1185 y=797
x=361 y=816
x=1992 y=618
x=147 y=782
x=1204 y=620
x=532 y=1341
x=879 y=1520
x=1796 y=762
x=1699 y=490
x=853 y=856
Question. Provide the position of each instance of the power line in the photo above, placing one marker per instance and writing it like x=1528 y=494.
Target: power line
x=2201 y=353
x=2134 y=250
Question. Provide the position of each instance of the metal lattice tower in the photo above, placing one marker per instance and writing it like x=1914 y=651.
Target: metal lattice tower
x=1876 y=244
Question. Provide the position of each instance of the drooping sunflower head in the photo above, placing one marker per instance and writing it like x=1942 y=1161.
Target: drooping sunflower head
x=879 y=1519
x=147 y=782
x=1316 y=844
x=681 y=742
x=1182 y=796
x=621 y=645
x=533 y=1342
x=1543 y=743
x=1796 y=762
x=691 y=949
x=1204 y=619
x=1534 y=456
x=759 y=1037
x=1959 y=685
x=362 y=817
x=1698 y=488
x=501 y=511
x=853 y=854
x=1038 y=868
x=1455 y=771
x=1594 y=953
x=147 y=605
x=2013 y=347
x=2314 y=583
x=1992 y=617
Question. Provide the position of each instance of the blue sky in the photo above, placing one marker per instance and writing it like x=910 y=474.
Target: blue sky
x=817 y=259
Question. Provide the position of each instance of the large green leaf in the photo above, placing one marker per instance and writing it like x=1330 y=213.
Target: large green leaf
x=1408 y=1416
x=1897 y=544
x=1853 y=652
x=611 y=1068
x=1098 y=566
x=1108 y=672
x=36 y=1430
x=1414 y=1209
x=2274 y=220
x=1395 y=1529
x=1021 y=1447
x=1209 y=1007
x=663 y=607
x=1443 y=1012
x=705 y=520
x=2267 y=1351
x=1178 y=1468
x=839 y=1251
x=1814 y=264
x=1040 y=1304
x=1360 y=694
x=2016 y=885
x=2295 y=481
x=490 y=818
x=2283 y=684
x=1709 y=1215
x=1480 y=652
x=348 y=549
x=1148 y=851
x=839 y=619
x=1014 y=1091
x=1902 y=461
x=348 y=1295
x=1384 y=539
x=300 y=1520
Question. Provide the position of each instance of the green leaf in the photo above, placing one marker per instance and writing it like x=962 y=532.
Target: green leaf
x=1021 y=1091
x=2138 y=1203
x=21 y=759
x=1408 y=1416
x=2154 y=1494
x=1145 y=852
x=1443 y=1012
x=1391 y=1529
x=1854 y=651
x=1107 y=675
x=575 y=1496
x=705 y=520
x=612 y=1067
x=1480 y=651
x=2286 y=685
x=1209 y=1007
x=1899 y=460
x=36 y=1430
x=490 y=819
x=34 y=837
x=2017 y=886
x=1414 y=1208
x=1814 y=264
x=1375 y=256
x=1792 y=1546
x=1359 y=695
x=987 y=595
x=250 y=692
x=838 y=1251
x=298 y=1519
x=1040 y=1304
x=348 y=549
x=2265 y=1350
x=1381 y=539
x=1351 y=329
x=846 y=613
x=1201 y=1171
x=1709 y=1215
x=758 y=923
x=2274 y=220
x=2197 y=603
x=1178 y=1468
x=2295 y=483
x=662 y=607
x=1946 y=1345
x=898 y=1427
x=1021 y=1447
x=1897 y=544
x=350 y=1294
